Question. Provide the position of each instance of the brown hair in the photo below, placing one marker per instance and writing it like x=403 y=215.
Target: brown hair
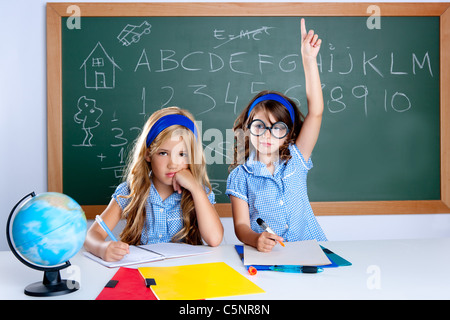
x=269 y=107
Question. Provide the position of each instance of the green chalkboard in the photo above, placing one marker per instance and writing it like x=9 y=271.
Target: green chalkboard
x=380 y=138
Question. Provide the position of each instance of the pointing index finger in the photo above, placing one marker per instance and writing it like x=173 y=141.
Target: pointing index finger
x=303 y=28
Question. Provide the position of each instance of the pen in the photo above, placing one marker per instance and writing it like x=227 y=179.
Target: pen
x=105 y=227
x=266 y=228
x=296 y=269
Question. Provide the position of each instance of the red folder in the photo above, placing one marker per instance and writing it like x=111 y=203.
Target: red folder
x=126 y=284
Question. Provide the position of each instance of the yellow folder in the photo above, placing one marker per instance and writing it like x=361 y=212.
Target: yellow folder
x=198 y=281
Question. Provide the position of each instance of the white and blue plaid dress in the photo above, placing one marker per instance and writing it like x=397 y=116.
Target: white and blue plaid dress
x=163 y=218
x=281 y=199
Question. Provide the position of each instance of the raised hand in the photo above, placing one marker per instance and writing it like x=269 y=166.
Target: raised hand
x=310 y=42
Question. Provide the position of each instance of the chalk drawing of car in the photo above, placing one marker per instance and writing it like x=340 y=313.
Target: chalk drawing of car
x=132 y=33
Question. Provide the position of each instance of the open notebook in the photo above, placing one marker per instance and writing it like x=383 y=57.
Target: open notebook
x=301 y=253
x=153 y=252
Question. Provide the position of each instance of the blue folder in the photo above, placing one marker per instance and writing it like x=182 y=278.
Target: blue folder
x=336 y=260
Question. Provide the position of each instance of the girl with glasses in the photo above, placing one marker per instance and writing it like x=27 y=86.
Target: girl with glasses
x=274 y=142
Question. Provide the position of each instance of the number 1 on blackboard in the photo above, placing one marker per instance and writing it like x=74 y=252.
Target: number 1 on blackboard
x=143 y=101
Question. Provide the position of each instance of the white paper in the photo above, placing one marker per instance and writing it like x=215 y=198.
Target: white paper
x=153 y=252
x=135 y=256
x=176 y=250
x=300 y=253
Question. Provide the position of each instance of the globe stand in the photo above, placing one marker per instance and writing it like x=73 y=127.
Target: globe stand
x=51 y=285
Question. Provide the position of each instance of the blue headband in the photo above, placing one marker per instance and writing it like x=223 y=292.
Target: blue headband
x=275 y=97
x=167 y=121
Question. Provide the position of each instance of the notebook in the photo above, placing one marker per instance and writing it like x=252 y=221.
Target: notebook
x=336 y=260
x=198 y=281
x=303 y=253
x=153 y=252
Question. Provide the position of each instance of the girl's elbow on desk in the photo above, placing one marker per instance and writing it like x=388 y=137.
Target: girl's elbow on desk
x=215 y=239
x=214 y=243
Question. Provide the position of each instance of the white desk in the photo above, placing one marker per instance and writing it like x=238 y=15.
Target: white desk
x=387 y=269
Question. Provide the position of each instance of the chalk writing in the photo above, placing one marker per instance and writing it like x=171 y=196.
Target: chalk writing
x=218 y=186
x=238 y=62
x=370 y=64
x=131 y=34
x=217 y=71
x=243 y=34
x=99 y=69
x=87 y=115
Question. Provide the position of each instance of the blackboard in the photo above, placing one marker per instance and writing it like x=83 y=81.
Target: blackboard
x=380 y=138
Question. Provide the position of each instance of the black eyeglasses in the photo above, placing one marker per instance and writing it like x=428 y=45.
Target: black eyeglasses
x=279 y=129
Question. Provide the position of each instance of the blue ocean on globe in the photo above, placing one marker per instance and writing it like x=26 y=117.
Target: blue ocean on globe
x=49 y=229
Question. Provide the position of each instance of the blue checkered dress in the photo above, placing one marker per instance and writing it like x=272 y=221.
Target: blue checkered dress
x=281 y=199
x=163 y=219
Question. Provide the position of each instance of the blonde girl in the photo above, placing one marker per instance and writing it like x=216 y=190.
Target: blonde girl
x=166 y=196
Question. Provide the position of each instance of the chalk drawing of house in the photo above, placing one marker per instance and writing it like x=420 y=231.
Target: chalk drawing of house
x=99 y=69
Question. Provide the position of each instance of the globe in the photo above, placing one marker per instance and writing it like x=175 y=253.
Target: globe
x=49 y=229
x=44 y=234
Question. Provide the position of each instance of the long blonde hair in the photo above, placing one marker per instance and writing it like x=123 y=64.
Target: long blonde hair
x=138 y=177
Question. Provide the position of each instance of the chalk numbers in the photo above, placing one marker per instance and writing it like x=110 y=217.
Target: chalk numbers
x=396 y=101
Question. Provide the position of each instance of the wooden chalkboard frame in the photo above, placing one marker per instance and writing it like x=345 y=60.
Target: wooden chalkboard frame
x=55 y=11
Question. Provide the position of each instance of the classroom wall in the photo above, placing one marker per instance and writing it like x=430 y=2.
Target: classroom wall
x=23 y=125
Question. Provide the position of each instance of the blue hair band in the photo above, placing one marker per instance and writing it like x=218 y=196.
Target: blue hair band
x=167 y=121
x=275 y=97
